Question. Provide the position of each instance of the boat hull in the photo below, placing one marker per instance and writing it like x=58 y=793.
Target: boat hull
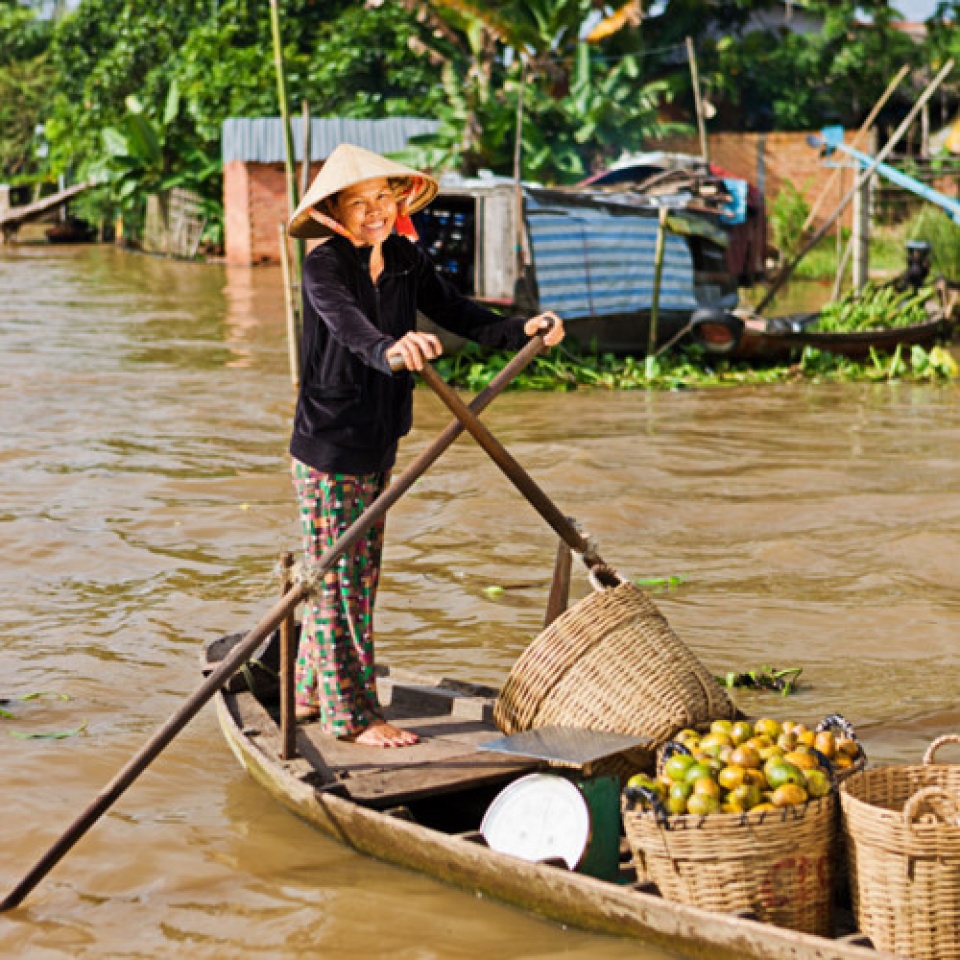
x=547 y=891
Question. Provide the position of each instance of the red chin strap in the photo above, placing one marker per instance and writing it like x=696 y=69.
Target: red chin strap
x=404 y=225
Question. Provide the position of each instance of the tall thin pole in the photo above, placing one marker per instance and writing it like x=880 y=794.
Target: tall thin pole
x=518 y=176
x=698 y=103
x=292 y=197
x=655 y=303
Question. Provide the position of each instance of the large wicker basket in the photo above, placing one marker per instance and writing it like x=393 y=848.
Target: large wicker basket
x=902 y=831
x=776 y=864
x=611 y=662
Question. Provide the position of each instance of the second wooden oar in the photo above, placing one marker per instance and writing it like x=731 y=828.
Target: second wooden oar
x=252 y=641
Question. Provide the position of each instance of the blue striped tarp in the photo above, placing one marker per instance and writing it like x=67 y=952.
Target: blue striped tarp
x=591 y=262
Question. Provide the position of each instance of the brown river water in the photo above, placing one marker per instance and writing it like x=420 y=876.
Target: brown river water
x=145 y=497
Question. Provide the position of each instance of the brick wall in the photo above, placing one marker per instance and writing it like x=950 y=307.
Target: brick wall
x=767 y=160
x=255 y=204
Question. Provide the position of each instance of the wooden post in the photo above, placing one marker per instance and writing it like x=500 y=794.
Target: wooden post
x=560 y=586
x=655 y=304
x=290 y=308
x=857 y=141
x=698 y=102
x=292 y=198
x=865 y=175
x=288 y=659
x=860 y=238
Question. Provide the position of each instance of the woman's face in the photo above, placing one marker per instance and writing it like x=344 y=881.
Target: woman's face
x=368 y=211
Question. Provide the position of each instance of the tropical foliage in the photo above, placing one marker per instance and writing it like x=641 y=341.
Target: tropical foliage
x=581 y=80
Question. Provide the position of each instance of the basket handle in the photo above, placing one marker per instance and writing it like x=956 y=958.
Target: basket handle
x=937 y=744
x=645 y=797
x=838 y=722
x=946 y=811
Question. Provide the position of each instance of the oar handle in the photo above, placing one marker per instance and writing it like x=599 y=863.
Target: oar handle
x=570 y=535
x=251 y=642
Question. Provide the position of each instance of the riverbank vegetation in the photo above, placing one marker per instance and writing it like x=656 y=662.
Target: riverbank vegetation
x=571 y=367
x=595 y=79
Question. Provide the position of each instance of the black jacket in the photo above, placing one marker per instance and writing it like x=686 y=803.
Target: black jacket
x=351 y=410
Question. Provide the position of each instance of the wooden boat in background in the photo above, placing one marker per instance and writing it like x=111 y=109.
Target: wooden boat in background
x=743 y=335
x=423 y=807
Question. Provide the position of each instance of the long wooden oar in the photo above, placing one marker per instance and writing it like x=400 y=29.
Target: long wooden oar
x=522 y=480
x=251 y=642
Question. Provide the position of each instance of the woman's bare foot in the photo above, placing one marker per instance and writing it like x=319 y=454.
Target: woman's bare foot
x=385 y=734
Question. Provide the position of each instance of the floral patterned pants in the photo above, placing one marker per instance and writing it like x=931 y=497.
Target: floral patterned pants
x=335 y=662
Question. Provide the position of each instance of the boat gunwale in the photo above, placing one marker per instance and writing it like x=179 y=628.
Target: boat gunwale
x=568 y=897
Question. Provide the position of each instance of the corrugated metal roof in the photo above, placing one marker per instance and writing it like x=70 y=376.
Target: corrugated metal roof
x=593 y=262
x=260 y=140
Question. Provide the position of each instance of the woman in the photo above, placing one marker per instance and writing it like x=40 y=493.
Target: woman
x=362 y=289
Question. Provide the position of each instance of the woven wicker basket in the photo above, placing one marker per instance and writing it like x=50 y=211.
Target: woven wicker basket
x=780 y=865
x=902 y=831
x=611 y=662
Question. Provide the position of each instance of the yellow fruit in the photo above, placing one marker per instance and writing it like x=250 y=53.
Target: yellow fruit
x=687 y=735
x=712 y=743
x=842 y=761
x=745 y=756
x=721 y=726
x=818 y=782
x=706 y=787
x=848 y=747
x=757 y=778
x=789 y=795
x=701 y=804
x=826 y=743
x=779 y=773
x=740 y=732
x=805 y=736
x=731 y=777
x=802 y=759
x=761 y=741
x=787 y=741
x=766 y=806
x=697 y=772
x=770 y=728
x=677 y=766
x=772 y=751
x=745 y=797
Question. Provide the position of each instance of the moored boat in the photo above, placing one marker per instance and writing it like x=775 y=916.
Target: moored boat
x=744 y=335
x=424 y=807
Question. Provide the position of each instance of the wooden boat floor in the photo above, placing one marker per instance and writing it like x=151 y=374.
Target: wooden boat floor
x=451 y=726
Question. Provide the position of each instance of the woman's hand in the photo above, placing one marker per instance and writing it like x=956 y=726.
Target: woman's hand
x=549 y=324
x=416 y=349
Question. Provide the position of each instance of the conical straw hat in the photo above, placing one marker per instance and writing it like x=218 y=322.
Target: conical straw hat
x=349 y=165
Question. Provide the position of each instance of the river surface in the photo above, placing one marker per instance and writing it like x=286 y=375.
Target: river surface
x=144 y=499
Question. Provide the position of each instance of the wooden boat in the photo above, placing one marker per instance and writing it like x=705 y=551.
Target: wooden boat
x=422 y=807
x=743 y=335
x=587 y=252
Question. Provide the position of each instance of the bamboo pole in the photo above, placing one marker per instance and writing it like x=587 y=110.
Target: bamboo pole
x=864 y=176
x=290 y=309
x=698 y=102
x=292 y=198
x=857 y=140
x=655 y=304
x=288 y=659
x=251 y=642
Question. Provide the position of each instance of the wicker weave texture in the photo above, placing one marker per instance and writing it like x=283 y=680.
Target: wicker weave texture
x=611 y=662
x=903 y=846
x=778 y=864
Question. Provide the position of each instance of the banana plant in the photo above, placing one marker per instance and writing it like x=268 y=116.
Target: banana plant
x=143 y=155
